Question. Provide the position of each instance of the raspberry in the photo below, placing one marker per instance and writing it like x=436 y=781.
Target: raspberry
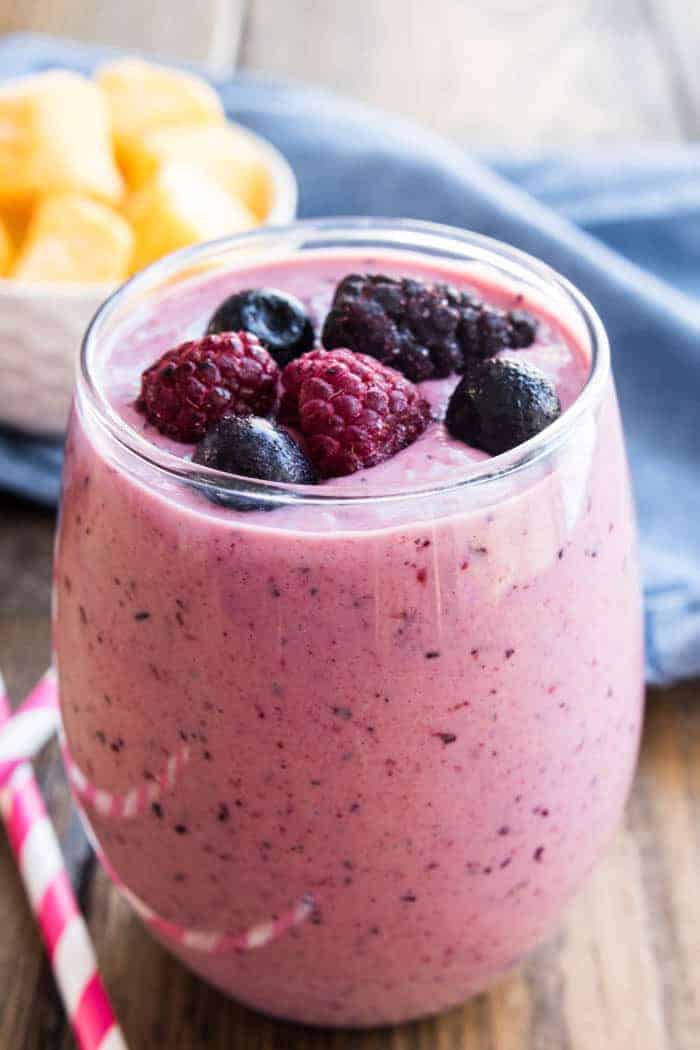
x=197 y=383
x=426 y=331
x=353 y=411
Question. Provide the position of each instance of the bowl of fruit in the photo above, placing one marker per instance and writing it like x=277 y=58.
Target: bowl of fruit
x=98 y=178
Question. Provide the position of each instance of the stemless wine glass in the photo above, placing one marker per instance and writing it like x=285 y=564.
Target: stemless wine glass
x=350 y=758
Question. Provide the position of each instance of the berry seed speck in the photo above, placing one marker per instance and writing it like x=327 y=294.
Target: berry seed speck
x=447 y=738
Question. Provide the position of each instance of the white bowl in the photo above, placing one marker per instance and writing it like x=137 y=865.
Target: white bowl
x=42 y=325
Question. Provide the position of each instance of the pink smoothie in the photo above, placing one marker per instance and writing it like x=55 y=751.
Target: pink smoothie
x=418 y=717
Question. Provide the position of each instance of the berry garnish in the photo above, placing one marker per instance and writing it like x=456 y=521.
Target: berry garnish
x=194 y=385
x=500 y=403
x=252 y=448
x=523 y=329
x=353 y=411
x=278 y=320
x=426 y=331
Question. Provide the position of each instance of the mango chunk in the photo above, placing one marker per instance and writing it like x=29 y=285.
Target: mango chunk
x=74 y=238
x=142 y=96
x=6 y=249
x=15 y=218
x=223 y=152
x=178 y=206
x=54 y=137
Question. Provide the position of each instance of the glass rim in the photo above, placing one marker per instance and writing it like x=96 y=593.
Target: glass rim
x=481 y=473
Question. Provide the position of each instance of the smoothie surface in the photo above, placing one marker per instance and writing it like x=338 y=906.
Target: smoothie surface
x=435 y=457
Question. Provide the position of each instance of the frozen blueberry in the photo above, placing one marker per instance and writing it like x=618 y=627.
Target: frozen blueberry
x=252 y=447
x=278 y=320
x=500 y=403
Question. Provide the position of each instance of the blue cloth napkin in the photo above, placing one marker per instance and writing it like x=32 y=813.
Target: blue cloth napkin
x=624 y=226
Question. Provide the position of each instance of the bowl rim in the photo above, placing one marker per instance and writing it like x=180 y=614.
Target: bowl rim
x=283 y=211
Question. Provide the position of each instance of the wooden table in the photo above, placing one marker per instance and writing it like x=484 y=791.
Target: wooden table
x=624 y=971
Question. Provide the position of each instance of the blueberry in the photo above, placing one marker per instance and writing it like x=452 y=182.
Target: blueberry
x=500 y=403
x=278 y=320
x=253 y=448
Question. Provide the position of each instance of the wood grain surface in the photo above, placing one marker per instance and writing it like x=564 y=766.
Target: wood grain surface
x=623 y=973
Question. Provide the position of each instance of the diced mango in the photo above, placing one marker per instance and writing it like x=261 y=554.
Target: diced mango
x=74 y=238
x=180 y=205
x=142 y=96
x=224 y=152
x=6 y=249
x=54 y=137
x=15 y=217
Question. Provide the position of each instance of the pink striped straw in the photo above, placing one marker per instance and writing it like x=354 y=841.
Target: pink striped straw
x=64 y=932
x=27 y=730
x=23 y=735
x=34 y=720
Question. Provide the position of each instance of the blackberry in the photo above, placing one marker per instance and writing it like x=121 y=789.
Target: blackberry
x=425 y=331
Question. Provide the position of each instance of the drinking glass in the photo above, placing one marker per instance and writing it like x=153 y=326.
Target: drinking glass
x=350 y=758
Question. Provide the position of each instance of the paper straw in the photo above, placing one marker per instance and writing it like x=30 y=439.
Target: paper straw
x=24 y=734
x=129 y=804
x=35 y=715
x=63 y=930
x=217 y=942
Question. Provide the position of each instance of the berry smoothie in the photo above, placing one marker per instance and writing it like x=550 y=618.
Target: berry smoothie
x=351 y=746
